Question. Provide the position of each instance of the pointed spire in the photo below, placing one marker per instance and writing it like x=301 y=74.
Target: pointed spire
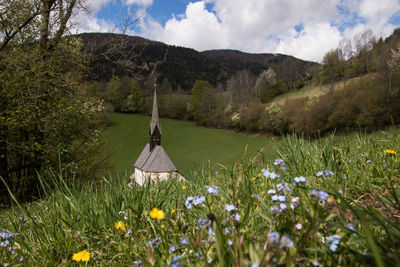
x=155 y=121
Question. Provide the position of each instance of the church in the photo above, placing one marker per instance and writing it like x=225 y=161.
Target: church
x=153 y=163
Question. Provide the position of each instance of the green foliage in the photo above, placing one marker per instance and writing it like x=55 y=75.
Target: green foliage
x=254 y=211
x=203 y=99
x=43 y=116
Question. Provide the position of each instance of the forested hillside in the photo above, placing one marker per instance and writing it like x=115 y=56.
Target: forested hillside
x=122 y=55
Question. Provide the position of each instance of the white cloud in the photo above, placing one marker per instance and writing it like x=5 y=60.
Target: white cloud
x=268 y=26
x=312 y=43
x=143 y=3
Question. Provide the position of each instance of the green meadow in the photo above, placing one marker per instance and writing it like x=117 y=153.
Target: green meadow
x=189 y=147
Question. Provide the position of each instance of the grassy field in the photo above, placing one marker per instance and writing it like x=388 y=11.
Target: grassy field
x=328 y=202
x=188 y=146
x=311 y=90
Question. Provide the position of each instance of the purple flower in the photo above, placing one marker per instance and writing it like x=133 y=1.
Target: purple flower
x=230 y=207
x=271 y=191
x=282 y=206
x=333 y=242
x=237 y=217
x=212 y=190
x=298 y=226
x=185 y=241
x=280 y=198
x=283 y=187
x=325 y=173
x=190 y=201
x=269 y=174
x=230 y=242
x=280 y=163
x=154 y=243
x=300 y=179
x=273 y=237
x=295 y=202
x=319 y=194
x=4 y=243
x=286 y=242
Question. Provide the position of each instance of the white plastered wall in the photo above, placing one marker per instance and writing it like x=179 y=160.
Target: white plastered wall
x=141 y=177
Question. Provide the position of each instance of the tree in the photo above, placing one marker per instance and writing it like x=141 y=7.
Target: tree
x=42 y=115
x=264 y=80
x=241 y=86
x=203 y=99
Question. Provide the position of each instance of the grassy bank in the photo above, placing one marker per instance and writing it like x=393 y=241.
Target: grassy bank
x=331 y=202
x=188 y=146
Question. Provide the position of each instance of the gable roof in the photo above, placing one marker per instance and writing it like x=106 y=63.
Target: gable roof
x=154 y=161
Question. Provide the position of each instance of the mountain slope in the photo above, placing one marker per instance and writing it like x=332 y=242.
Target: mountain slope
x=121 y=55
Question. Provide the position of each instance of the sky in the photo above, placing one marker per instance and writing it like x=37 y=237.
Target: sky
x=306 y=29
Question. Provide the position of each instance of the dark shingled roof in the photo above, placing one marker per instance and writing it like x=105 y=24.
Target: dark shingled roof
x=155 y=121
x=154 y=161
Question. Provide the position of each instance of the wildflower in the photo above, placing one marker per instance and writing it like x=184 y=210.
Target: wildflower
x=4 y=243
x=226 y=230
x=81 y=256
x=5 y=235
x=280 y=198
x=254 y=178
x=319 y=194
x=390 y=152
x=280 y=163
x=174 y=262
x=286 y=242
x=295 y=202
x=155 y=243
x=212 y=190
x=333 y=242
x=230 y=242
x=325 y=173
x=230 y=207
x=282 y=206
x=203 y=222
x=217 y=173
x=298 y=226
x=283 y=187
x=171 y=249
x=300 y=179
x=254 y=196
x=121 y=213
x=237 y=217
x=358 y=147
x=254 y=264
x=271 y=191
x=184 y=187
x=129 y=232
x=137 y=263
x=199 y=200
x=273 y=237
x=185 y=241
x=173 y=211
x=162 y=226
x=121 y=226
x=157 y=214
x=268 y=174
x=369 y=161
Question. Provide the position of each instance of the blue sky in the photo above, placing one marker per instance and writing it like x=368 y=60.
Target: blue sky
x=306 y=29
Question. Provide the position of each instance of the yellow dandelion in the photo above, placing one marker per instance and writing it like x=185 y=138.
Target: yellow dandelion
x=184 y=187
x=156 y=214
x=81 y=256
x=173 y=211
x=162 y=226
x=390 y=152
x=120 y=226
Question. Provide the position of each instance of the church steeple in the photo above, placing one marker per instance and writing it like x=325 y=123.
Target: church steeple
x=155 y=127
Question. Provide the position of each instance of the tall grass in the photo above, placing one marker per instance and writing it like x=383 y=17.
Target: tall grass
x=250 y=212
